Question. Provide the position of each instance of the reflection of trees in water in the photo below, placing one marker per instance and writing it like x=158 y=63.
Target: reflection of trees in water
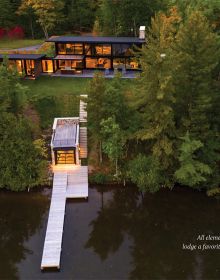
x=173 y=218
x=21 y=215
x=108 y=229
x=159 y=226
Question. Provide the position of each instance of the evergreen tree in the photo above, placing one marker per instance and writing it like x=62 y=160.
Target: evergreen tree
x=105 y=99
x=95 y=101
x=191 y=172
x=12 y=93
x=155 y=98
x=21 y=162
x=198 y=52
x=6 y=15
x=125 y=17
x=80 y=14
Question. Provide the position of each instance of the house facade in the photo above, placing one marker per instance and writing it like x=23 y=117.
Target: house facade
x=78 y=54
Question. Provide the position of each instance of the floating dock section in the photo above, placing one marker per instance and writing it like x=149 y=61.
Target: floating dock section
x=69 y=181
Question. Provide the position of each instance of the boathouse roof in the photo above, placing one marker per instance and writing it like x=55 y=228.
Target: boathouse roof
x=66 y=133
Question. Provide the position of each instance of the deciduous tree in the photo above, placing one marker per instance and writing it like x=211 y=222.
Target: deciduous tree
x=112 y=140
x=48 y=12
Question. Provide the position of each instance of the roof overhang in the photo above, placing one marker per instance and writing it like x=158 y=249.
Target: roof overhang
x=21 y=56
x=69 y=57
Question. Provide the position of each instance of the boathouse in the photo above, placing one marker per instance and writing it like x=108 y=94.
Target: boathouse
x=70 y=179
x=65 y=141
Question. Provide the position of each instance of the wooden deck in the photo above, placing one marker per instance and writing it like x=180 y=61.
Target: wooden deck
x=83 y=142
x=77 y=182
x=82 y=109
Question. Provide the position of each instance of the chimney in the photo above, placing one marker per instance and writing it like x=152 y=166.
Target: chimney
x=142 y=32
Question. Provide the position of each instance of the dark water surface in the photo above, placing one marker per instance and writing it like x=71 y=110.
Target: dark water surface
x=117 y=234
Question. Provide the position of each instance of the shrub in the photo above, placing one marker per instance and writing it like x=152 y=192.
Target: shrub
x=100 y=178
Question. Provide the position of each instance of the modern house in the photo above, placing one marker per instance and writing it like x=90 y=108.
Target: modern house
x=78 y=54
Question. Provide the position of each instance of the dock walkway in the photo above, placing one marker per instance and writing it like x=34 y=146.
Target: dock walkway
x=69 y=181
x=53 y=239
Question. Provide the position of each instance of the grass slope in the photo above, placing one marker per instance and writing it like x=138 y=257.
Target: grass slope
x=55 y=97
x=14 y=44
x=58 y=96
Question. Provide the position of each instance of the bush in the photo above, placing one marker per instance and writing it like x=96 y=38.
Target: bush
x=214 y=192
x=100 y=178
x=16 y=32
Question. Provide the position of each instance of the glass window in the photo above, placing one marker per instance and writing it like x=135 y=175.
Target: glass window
x=78 y=49
x=47 y=66
x=30 y=67
x=61 y=64
x=131 y=63
x=119 y=63
x=103 y=49
x=19 y=66
x=70 y=48
x=61 y=48
x=98 y=62
x=122 y=49
x=70 y=64
x=76 y=64
x=91 y=62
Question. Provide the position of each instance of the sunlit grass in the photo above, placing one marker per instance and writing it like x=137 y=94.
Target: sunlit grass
x=14 y=44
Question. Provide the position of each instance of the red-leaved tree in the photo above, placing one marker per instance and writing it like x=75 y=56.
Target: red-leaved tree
x=16 y=32
x=2 y=32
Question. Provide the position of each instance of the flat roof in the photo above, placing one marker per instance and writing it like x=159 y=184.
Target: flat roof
x=65 y=135
x=95 y=39
x=22 y=56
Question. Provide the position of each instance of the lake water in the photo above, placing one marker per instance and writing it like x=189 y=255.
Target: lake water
x=116 y=234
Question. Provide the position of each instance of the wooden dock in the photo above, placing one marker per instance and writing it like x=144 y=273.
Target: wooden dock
x=53 y=239
x=69 y=181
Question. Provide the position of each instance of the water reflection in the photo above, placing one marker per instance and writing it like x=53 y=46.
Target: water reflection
x=117 y=234
x=20 y=217
x=158 y=225
x=109 y=228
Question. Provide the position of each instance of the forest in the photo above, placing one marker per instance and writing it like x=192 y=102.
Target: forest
x=161 y=132
x=43 y=18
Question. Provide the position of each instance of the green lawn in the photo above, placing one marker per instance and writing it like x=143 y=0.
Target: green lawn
x=55 y=97
x=58 y=96
x=14 y=44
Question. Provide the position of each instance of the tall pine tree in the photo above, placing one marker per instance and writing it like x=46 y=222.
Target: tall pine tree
x=155 y=95
x=198 y=54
